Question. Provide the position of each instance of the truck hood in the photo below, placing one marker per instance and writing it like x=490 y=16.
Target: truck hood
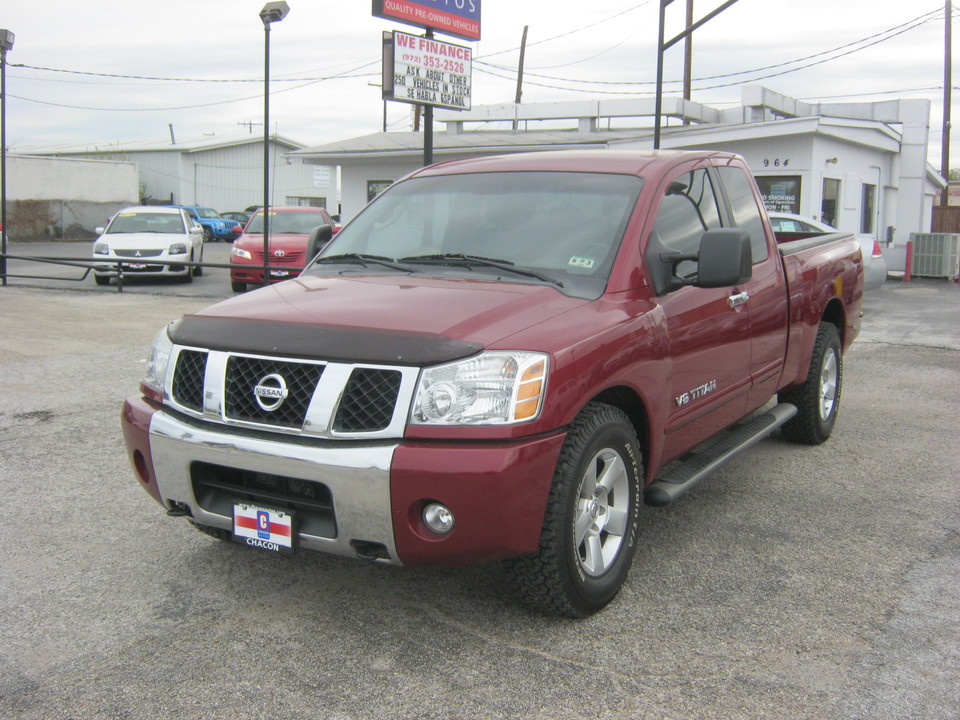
x=386 y=319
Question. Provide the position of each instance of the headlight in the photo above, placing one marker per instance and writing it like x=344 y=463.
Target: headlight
x=178 y=249
x=494 y=388
x=157 y=360
x=241 y=253
x=101 y=249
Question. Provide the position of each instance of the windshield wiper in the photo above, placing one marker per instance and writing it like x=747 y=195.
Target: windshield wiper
x=362 y=259
x=477 y=260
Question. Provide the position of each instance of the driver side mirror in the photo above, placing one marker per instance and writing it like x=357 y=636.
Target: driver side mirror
x=317 y=241
x=725 y=259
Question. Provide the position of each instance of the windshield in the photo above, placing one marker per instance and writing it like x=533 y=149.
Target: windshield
x=287 y=222
x=207 y=213
x=146 y=222
x=565 y=227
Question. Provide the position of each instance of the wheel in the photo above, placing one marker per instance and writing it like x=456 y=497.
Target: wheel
x=818 y=399
x=212 y=531
x=590 y=525
x=187 y=277
x=101 y=279
x=198 y=271
x=238 y=287
x=207 y=234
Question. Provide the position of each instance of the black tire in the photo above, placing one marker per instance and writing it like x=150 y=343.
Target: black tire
x=589 y=532
x=818 y=399
x=238 y=287
x=212 y=531
x=101 y=279
x=198 y=270
x=187 y=277
x=207 y=234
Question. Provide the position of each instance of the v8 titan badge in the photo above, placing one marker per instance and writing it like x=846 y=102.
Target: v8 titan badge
x=263 y=527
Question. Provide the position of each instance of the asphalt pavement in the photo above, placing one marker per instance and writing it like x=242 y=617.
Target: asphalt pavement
x=795 y=583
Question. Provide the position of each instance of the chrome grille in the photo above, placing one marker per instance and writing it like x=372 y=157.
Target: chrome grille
x=368 y=401
x=137 y=253
x=244 y=374
x=291 y=257
x=188 y=379
x=323 y=399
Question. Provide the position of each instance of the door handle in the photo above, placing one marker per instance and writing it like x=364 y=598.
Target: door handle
x=739 y=299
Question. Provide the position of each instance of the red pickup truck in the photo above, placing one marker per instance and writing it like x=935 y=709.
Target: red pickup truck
x=502 y=359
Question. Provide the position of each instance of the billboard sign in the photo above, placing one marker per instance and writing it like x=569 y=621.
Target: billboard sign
x=425 y=71
x=460 y=18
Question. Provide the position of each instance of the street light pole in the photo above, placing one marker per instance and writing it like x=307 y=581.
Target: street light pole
x=272 y=12
x=6 y=43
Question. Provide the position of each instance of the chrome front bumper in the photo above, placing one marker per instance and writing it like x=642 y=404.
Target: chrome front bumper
x=358 y=477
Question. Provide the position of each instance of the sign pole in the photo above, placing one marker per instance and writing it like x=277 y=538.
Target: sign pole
x=428 y=123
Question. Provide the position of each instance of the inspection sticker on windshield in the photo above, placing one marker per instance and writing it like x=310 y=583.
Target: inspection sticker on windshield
x=582 y=262
x=262 y=527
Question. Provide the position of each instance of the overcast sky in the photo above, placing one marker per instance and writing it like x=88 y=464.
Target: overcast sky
x=325 y=62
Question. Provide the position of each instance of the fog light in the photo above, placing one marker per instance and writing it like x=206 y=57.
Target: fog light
x=438 y=518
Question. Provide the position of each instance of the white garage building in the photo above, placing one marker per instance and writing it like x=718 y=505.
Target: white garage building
x=225 y=173
x=861 y=166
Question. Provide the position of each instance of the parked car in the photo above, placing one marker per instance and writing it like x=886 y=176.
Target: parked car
x=145 y=237
x=289 y=230
x=237 y=215
x=874 y=266
x=215 y=227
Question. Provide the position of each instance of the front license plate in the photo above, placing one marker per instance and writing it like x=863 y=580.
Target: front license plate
x=137 y=266
x=264 y=528
x=279 y=273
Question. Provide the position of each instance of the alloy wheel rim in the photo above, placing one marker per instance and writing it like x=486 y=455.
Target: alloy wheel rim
x=829 y=377
x=603 y=505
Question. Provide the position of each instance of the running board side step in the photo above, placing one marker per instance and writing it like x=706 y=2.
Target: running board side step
x=685 y=474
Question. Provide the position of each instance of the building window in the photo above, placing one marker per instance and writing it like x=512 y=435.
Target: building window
x=868 y=209
x=830 y=204
x=375 y=187
x=301 y=201
x=781 y=193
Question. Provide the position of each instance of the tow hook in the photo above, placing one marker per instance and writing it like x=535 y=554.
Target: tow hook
x=179 y=509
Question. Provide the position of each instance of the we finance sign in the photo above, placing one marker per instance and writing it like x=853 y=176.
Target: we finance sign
x=460 y=18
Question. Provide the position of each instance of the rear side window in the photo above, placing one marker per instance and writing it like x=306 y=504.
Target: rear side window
x=743 y=206
x=687 y=210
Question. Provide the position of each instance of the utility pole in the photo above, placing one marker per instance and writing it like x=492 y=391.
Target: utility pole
x=663 y=45
x=947 y=98
x=523 y=52
x=688 y=59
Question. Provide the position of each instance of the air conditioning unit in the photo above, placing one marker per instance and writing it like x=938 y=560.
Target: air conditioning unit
x=935 y=255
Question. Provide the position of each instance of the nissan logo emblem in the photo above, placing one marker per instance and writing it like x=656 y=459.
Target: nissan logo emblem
x=279 y=253
x=270 y=392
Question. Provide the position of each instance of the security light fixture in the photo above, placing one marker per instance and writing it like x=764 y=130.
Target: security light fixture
x=6 y=39
x=274 y=12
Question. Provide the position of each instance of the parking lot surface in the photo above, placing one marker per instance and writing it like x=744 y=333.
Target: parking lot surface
x=796 y=582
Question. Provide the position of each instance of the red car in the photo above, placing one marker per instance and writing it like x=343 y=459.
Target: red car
x=289 y=229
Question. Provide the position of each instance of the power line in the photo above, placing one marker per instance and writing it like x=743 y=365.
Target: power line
x=118 y=76
x=199 y=105
x=571 y=32
x=902 y=28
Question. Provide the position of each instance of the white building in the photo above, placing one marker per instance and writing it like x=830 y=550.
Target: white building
x=222 y=173
x=65 y=197
x=862 y=167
